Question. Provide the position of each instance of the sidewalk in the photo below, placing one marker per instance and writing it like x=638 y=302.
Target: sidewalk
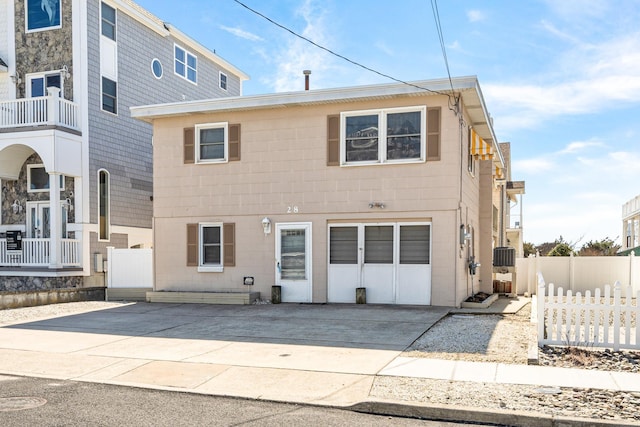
x=317 y=355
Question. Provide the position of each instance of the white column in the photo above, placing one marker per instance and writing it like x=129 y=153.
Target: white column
x=54 y=221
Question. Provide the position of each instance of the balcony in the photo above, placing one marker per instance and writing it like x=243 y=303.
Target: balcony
x=50 y=111
x=36 y=253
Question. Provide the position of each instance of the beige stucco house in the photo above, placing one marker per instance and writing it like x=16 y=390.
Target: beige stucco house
x=385 y=187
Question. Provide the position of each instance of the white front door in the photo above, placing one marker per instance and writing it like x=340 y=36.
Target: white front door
x=391 y=260
x=293 y=261
x=39 y=220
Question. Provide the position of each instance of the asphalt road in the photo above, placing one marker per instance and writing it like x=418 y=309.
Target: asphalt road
x=46 y=402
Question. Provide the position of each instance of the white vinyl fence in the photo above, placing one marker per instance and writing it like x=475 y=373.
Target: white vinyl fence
x=592 y=320
x=578 y=273
x=129 y=268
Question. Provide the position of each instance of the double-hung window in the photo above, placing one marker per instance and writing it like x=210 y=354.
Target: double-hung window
x=223 y=81
x=211 y=249
x=212 y=142
x=109 y=95
x=108 y=21
x=393 y=135
x=186 y=64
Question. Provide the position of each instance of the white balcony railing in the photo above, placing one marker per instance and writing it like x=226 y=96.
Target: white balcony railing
x=41 y=111
x=36 y=253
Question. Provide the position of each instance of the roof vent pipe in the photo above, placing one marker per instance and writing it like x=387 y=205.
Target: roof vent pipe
x=306 y=79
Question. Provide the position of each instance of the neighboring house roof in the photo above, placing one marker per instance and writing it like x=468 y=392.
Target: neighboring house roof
x=3 y=66
x=165 y=29
x=468 y=87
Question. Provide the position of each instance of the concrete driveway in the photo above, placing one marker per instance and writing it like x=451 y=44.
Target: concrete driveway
x=322 y=354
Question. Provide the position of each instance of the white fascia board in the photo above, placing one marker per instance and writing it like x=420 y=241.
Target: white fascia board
x=287 y=99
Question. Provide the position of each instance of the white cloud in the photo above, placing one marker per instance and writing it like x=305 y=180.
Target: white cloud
x=297 y=55
x=585 y=79
x=578 y=146
x=242 y=33
x=475 y=16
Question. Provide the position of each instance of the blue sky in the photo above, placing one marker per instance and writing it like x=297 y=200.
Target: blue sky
x=561 y=78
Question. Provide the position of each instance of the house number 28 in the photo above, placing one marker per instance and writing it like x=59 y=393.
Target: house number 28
x=292 y=209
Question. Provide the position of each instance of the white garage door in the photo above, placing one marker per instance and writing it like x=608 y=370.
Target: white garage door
x=391 y=260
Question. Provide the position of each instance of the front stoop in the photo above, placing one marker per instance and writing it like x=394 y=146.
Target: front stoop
x=238 y=298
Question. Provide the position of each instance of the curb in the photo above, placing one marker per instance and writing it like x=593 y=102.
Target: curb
x=466 y=414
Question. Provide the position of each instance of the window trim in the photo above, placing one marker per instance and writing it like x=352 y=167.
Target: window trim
x=107 y=216
x=35 y=30
x=226 y=81
x=210 y=268
x=185 y=64
x=102 y=95
x=114 y=24
x=382 y=114
x=40 y=190
x=204 y=126
x=471 y=160
x=43 y=75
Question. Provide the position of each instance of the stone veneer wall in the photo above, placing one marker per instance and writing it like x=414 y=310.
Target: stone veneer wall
x=44 y=50
x=28 y=283
x=17 y=191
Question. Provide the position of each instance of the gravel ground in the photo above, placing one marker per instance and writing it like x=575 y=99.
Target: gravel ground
x=505 y=339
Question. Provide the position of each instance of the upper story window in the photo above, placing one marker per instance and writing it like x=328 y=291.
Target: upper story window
x=186 y=64
x=38 y=179
x=223 y=81
x=108 y=21
x=37 y=84
x=156 y=68
x=211 y=142
x=383 y=136
x=109 y=96
x=42 y=15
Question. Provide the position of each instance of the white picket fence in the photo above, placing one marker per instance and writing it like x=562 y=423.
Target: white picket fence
x=601 y=320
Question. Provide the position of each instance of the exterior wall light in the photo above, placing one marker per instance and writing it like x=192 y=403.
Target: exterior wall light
x=16 y=78
x=17 y=208
x=266 y=225
x=376 y=205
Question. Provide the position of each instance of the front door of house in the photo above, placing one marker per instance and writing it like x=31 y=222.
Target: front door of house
x=293 y=261
x=38 y=220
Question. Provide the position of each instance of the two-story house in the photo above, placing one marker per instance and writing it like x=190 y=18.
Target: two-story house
x=75 y=168
x=384 y=187
x=631 y=227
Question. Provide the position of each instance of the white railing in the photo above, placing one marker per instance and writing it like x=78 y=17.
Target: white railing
x=44 y=110
x=598 y=321
x=36 y=253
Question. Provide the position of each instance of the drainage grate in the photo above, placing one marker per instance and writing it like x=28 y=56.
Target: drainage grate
x=19 y=403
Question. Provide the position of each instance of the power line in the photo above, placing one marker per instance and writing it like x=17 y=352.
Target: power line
x=436 y=17
x=342 y=56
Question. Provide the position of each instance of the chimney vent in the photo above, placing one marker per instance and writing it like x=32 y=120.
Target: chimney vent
x=306 y=79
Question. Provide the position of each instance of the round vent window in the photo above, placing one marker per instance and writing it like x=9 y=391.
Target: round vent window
x=156 y=68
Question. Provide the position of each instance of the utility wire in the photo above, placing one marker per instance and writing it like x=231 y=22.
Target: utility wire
x=344 y=57
x=436 y=17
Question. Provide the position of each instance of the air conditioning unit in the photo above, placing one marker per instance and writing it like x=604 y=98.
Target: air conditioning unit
x=504 y=257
